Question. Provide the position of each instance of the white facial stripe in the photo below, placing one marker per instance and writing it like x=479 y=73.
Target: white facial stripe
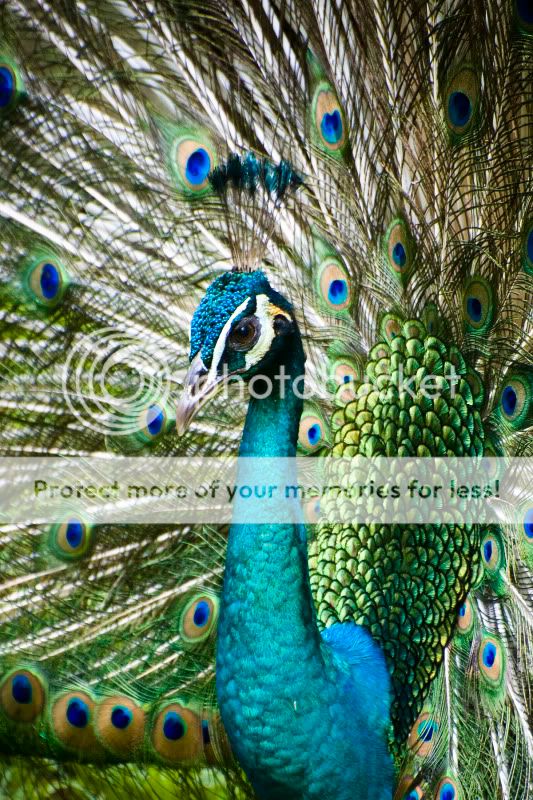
x=262 y=346
x=221 y=341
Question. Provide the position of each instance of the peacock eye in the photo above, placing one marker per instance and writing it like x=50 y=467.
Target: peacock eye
x=245 y=334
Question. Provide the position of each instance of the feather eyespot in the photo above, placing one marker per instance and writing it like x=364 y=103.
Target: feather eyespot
x=398 y=248
x=21 y=689
x=311 y=434
x=509 y=400
x=153 y=421
x=334 y=286
x=407 y=791
x=78 y=713
x=459 y=109
x=71 y=540
x=119 y=725
x=329 y=119
x=10 y=86
x=22 y=696
x=331 y=126
x=46 y=283
x=491 y=553
x=465 y=617
x=345 y=377
x=198 y=167
x=515 y=400
x=461 y=100
x=391 y=327
x=72 y=717
x=174 y=726
x=345 y=373
x=423 y=734
x=177 y=734
x=194 y=162
x=447 y=790
x=199 y=618
x=478 y=307
x=121 y=717
x=491 y=661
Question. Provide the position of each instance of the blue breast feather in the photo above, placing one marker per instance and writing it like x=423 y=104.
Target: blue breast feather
x=355 y=654
x=355 y=650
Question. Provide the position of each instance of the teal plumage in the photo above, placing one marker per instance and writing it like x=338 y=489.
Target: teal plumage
x=380 y=200
x=311 y=692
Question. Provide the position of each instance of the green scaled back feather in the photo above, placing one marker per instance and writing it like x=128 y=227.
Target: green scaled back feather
x=410 y=243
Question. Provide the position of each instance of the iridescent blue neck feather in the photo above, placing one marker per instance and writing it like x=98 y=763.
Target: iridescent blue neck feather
x=307 y=714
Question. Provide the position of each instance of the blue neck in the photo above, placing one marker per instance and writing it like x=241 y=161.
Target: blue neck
x=267 y=622
x=271 y=427
x=271 y=432
x=303 y=724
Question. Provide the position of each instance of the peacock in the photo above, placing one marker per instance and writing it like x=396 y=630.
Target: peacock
x=197 y=197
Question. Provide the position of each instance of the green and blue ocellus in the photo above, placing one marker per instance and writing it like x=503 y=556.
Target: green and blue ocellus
x=338 y=192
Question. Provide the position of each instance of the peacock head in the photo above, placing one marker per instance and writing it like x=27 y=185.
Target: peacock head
x=242 y=328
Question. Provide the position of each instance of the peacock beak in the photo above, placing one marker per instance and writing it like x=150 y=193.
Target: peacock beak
x=200 y=386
